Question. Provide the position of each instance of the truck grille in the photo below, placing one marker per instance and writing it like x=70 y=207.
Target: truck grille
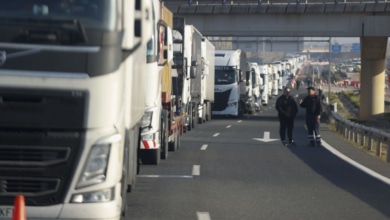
x=38 y=157
x=221 y=100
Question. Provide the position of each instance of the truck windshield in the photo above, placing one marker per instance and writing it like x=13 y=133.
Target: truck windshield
x=92 y=14
x=223 y=77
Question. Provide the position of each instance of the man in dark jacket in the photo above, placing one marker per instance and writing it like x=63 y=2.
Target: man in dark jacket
x=287 y=110
x=313 y=106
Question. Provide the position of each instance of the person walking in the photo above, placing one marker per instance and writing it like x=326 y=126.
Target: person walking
x=298 y=84
x=313 y=105
x=287 y=110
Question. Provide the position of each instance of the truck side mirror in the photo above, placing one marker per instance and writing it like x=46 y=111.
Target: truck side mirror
x=185 y=67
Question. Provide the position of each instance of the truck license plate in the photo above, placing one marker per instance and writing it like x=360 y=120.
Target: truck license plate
x=5 y=212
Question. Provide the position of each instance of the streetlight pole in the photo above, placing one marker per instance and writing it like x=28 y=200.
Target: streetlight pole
x=330 y=67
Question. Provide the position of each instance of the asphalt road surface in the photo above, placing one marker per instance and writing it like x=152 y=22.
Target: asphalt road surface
x=231 y=168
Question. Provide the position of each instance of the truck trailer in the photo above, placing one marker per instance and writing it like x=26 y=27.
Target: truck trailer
x=72 y=88
x=188 y=70
x=207 y=80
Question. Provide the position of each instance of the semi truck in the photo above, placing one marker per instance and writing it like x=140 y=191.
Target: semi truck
x=72 y=91
x=264 y=89
x=257 y=82
x=248 y=97
x=230 y=67
x=162 y=127
x=207 y=80
x=188 y=70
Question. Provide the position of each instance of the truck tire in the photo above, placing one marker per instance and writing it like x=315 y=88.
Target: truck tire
x=178 y=140
x=173 y=145
x=195 y=116
x=208 y=111
x=164 y=135
x=125 y=188
x=151 y=157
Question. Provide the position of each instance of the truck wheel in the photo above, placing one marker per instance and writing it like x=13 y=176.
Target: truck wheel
x=124 y=182
x=150 y=156
x=208 y=111
x=195 y=117
x=178 y=141
x=164 y=137
x=172 y=145
x=241 y=108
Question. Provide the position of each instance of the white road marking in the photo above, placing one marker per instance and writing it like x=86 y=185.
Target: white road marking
x=165 y=176
x=203 y=215
x=229 y=126
x=355 y=164
x=216 y=135
x=204 y=147
x=196 y=170
x=266 y=137
x=239 y=121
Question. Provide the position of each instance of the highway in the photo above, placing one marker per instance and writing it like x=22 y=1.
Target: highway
x=231 y=168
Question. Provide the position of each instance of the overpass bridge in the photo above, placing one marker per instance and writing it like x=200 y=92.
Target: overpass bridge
x=368 y=20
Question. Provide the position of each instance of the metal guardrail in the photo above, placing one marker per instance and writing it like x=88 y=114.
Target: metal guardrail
x=258 y=2
x=373 y=139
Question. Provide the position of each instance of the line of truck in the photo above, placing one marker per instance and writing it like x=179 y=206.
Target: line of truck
x=243 y=87
x=90 y=90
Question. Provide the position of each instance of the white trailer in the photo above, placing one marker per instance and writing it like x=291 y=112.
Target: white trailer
x=187 y=64
x=278 y=70
x=230 y=65
x=274 y=80
x=264 y=89
x=256 y=82
x=207 y=82
x=72 y=91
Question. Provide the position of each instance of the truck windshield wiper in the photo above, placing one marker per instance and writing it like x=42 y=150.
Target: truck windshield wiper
x=63 y=31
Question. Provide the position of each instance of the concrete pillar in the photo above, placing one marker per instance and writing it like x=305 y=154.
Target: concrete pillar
x=372 y=77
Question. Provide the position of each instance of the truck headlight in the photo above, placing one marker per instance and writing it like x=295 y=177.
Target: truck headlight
x=232 y=104
x=148 y=137
x=146 y=122
x=95 y=169
x=103 y=195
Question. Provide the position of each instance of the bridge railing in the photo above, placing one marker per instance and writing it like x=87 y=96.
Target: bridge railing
x=257 y=2
x=372 y=139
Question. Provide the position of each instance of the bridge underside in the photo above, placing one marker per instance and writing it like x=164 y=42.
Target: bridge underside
x=369 y=21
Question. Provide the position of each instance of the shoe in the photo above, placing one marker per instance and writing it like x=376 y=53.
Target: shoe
x=284 y=143
x=292 y=143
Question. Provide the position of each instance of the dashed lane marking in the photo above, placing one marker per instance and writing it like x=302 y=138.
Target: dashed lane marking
x=216 y=135
x=203 y=215
x=166 y=176
x=229 y=126
x=204 y=147
x=196 y=170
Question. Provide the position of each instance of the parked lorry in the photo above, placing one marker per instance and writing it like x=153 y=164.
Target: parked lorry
x=274 y=76
x=162 y=127
x=230 y=66
x=72 y=91
x=187 y=65
x=257 y=82
x=207 y=80
x=264 y=89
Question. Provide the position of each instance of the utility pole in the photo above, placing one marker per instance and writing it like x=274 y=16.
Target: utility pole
x=330 y=67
